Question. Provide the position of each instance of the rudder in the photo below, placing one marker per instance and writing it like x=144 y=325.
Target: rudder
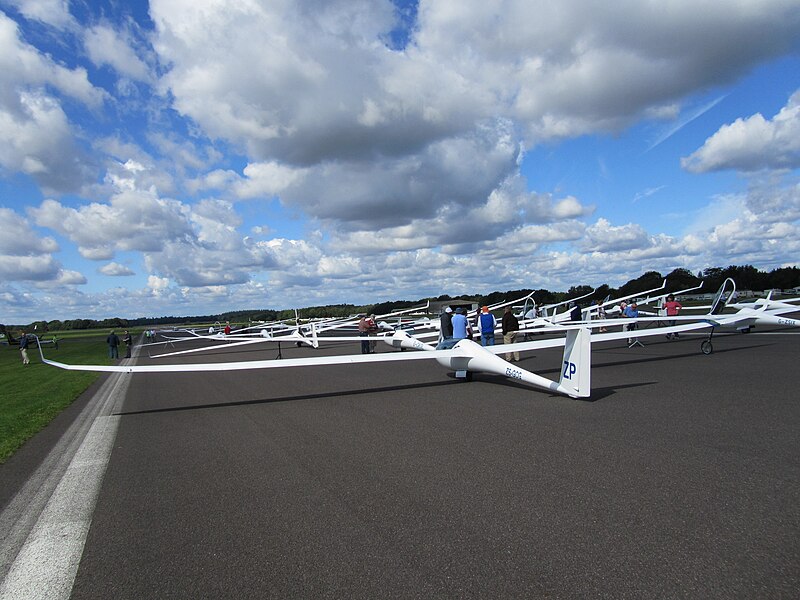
x=576 y=366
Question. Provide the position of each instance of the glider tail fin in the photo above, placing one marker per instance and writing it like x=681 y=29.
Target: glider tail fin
x=575 y=380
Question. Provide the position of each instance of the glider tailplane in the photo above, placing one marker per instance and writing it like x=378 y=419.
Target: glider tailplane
x=576 y=366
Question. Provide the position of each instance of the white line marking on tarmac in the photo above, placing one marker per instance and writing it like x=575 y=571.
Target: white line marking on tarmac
x=44 y=527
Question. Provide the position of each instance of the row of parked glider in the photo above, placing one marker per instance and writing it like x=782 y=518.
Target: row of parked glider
x=403 y=331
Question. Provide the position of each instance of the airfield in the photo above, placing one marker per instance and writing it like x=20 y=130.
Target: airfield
x=678 y=478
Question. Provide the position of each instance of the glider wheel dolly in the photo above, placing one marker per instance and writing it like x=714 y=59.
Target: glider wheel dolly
x=706 y=347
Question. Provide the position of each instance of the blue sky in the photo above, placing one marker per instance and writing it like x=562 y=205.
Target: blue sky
x=180 y=157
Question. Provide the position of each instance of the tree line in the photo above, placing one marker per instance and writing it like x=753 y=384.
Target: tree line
x=746 y=277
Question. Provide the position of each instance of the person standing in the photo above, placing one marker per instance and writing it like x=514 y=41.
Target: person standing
x=486 y=326
x=113 y=345
x=460 y=325
x=575 y=312
x=510 y=325
x=23 y=347
x=128 y=343
x=632 y=312
x=601 y=315
x=673 y=308
x=363 y=331
x=372 y=330
x=446 y=324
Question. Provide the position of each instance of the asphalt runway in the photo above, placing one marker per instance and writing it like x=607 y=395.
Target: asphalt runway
x=678 y=478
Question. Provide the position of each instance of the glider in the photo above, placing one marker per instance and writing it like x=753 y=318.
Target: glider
x=465 y=358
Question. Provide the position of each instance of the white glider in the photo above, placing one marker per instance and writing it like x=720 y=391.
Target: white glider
x=465 y=358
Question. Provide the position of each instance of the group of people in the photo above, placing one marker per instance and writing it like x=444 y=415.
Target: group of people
x=455 y=326
x=113 y=344
x=112 y=340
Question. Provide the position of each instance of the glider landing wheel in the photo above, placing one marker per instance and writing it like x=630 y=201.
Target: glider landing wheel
x=706 y=347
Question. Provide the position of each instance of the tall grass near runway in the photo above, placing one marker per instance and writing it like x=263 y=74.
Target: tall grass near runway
x=32 y=395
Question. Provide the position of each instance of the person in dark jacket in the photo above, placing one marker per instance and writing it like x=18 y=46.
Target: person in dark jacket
x=113 y=345
x=23 y=347
x=510 y=326
x=446 y=324
x=128 y=343
x=575 y=312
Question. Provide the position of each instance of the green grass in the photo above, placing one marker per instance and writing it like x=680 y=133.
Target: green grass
x=31 y=396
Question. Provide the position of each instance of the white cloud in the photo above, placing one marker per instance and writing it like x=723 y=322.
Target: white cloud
x=113 y=47
x=38 y=139
x=19 y=239
x=753 y=143
x=28 y=268
x=52 y=12
x=132 y=220
x=604 y=237
x=114 y=269
x=404 y=163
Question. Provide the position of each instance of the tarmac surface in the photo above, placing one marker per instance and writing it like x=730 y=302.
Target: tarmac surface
x=679 y=478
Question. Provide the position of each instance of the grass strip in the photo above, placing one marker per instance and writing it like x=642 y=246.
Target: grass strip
x=32 y=395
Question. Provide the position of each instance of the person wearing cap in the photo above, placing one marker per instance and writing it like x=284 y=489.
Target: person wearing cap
x=460 y=324
x=446 y=324
x=486 y=326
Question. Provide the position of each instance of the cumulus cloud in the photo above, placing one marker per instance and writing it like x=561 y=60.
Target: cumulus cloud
x=132 y=220
x=38 y=137
x=604 y=237
x=752 y=144
x=329 y=89
x=53 y=12
x=26 y=256
x=110 y=46
x=402 y=158
x=114 y=269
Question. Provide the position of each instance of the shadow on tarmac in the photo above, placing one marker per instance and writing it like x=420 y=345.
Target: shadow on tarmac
x=354 y=392
x=597 y=393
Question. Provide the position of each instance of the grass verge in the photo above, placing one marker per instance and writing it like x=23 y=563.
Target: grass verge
x=31 y=396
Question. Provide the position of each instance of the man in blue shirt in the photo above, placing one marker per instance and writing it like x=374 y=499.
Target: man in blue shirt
x=460 y=330
x=632 y=312
x=486 y=325
x=460 y=325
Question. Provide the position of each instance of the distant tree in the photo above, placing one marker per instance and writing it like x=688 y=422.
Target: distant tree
x=783 y=279
x=38 y=327
x=747 y=277
x=578 y=290
x=682 y=279
x=543 y=296
x=648 y=281
x=601 y=292
x=712 y=278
